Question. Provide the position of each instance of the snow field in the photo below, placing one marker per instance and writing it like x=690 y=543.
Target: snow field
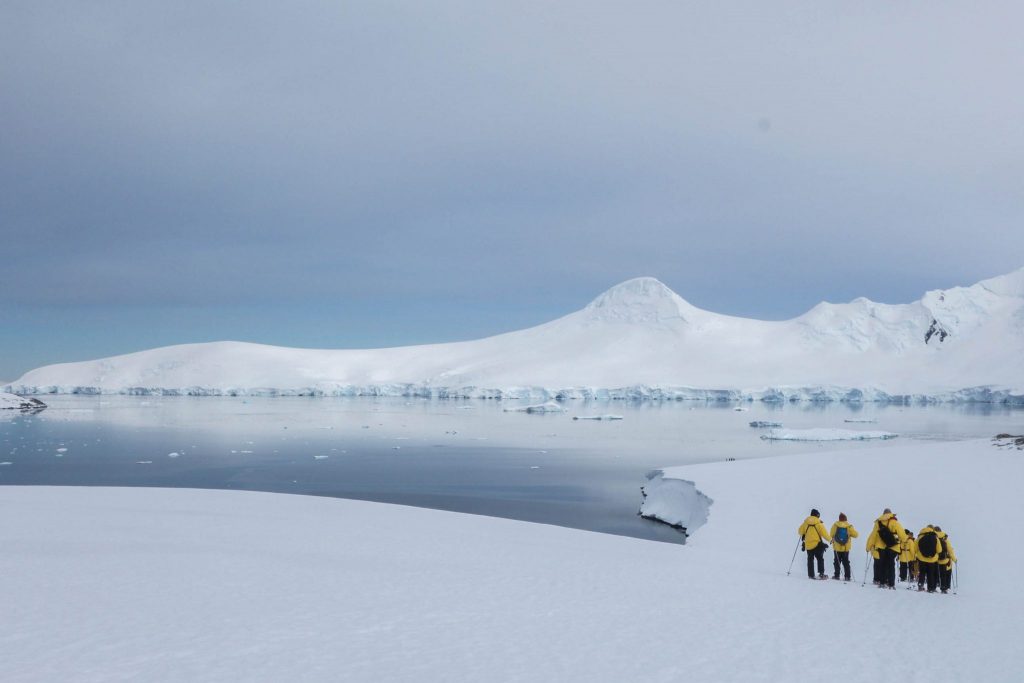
x=188 y=585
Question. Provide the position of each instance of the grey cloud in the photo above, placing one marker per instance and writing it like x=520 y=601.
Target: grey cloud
x=233 y=153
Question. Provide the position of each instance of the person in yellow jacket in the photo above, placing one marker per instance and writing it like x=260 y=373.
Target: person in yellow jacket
x=947 y=556
x=841 y=530
x=908 y=559
x=876 y=565
x=816 y=538
x=889 y=534
x=928 y=547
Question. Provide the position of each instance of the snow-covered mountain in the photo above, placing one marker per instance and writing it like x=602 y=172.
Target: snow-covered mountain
x=639 y=339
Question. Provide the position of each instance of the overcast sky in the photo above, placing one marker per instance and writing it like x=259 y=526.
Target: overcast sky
x=336 y=174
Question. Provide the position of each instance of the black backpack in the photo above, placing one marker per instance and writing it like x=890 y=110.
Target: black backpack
x=927 y=544
x=885 y=533
x=944 y=553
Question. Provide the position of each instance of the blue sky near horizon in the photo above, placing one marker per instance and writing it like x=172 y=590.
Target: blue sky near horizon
x=373 y=174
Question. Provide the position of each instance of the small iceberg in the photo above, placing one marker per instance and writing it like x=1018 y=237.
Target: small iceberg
x=22 y=403
x=549 y=407
x=597 y=417
x=764 y=424
x=824 y=435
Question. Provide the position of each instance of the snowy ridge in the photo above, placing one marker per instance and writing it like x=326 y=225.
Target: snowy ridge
x=637 y=341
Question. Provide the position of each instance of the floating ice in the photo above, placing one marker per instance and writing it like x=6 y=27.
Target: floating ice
x=761 y=424
x=825 y=435
x=597 y=417
x=549 y=407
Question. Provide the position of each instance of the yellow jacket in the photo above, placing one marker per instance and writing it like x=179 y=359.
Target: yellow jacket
x=870 y=544
x=813 y=531
x=930 y=559
x=948 y=547
x=843 y=547
x=894 y=526
x=908 y=550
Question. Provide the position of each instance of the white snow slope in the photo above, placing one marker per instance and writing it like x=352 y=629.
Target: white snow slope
x=158 y=585
x=637 y=340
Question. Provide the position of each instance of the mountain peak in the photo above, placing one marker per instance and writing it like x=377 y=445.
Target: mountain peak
x=642 y=299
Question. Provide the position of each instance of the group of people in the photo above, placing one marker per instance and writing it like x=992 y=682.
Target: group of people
x=927 y=558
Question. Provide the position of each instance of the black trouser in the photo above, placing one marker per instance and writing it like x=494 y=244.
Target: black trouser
x=929 y=571
x=945 y=576
x=840 y=559
x=876 y=570
x=904 y=571
x=819 y=554
x=887 y=562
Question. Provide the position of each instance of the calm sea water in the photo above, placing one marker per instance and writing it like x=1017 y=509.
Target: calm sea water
x=468 y=456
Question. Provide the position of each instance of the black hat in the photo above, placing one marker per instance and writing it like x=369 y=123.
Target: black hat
x=815 y=513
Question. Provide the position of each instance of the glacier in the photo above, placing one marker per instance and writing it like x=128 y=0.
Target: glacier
x=637 y=341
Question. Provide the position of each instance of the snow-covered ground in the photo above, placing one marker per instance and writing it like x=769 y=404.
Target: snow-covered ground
x=637 y=340
x=187 y=585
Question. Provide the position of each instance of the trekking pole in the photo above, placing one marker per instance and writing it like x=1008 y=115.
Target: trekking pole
x=867 y=563
x=956 y=577
x=794 y=557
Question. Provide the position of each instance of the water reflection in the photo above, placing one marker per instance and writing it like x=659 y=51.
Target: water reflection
x=468 y=456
